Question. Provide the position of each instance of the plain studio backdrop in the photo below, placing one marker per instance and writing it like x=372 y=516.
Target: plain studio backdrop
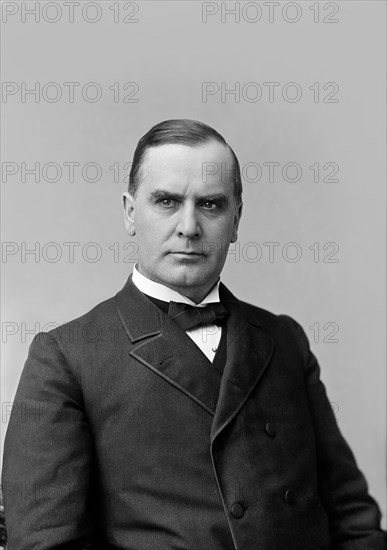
x=296 y=88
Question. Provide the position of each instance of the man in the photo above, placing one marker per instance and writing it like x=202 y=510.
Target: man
x=175 y=416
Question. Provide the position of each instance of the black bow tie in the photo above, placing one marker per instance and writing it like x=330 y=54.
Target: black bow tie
x=189 y=317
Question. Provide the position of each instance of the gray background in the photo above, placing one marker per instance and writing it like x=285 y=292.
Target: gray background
x=169 y=53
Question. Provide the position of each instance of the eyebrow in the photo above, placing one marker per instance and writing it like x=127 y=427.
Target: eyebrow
x=161 y=194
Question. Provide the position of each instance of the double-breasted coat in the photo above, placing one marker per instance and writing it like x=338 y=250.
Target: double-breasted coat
x=124 y=437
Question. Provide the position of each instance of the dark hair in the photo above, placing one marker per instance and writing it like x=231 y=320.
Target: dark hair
x=186 y=132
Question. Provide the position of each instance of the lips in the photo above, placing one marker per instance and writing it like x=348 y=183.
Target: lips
x=187 y=253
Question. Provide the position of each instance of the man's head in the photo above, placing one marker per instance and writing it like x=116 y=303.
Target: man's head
x=183 y=203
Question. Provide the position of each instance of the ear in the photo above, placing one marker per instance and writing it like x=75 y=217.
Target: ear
x=237 y=217
x=128 y=205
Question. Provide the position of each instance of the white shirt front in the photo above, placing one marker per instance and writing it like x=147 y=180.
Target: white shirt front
x=207 y=338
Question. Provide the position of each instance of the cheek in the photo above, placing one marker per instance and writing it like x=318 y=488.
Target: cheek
x=151 y=235
x=222 y=230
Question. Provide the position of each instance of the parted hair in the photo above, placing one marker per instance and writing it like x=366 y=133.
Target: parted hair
x=184 y=131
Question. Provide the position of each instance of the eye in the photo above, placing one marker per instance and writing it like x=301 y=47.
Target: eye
x=210 y=205
x=167 y=202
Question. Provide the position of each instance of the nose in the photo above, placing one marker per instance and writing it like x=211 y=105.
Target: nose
x=188 y=224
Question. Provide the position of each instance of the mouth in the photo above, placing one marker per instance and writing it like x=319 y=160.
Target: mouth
x=184 y=253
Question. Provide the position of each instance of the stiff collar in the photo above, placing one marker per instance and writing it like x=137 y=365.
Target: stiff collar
x=166 y=294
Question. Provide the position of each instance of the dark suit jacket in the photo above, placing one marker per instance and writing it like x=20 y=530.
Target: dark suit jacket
x=124 y=436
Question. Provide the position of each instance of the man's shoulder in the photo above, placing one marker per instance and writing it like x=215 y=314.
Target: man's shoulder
x=266 y=318
x=279 y=326
x=91 y=326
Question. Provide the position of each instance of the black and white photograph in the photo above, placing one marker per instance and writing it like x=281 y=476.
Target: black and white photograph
x=193 y=275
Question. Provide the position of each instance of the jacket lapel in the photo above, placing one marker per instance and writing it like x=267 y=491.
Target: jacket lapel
x=162 y=346
x=249 y=350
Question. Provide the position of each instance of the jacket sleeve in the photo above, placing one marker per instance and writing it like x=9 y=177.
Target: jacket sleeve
x=47 y=456
x=354 y=516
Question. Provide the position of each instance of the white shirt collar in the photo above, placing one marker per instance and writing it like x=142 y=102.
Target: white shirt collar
x=162 y=292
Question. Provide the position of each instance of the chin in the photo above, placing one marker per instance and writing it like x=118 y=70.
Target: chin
x=182 y=275
x=187 y=281
x=190 y=279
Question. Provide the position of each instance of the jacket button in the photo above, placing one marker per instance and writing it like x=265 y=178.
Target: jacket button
x=237 y=510
x=270 y=429
x=289 y=497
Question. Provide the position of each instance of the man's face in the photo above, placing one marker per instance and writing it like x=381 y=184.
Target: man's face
x=184 y=215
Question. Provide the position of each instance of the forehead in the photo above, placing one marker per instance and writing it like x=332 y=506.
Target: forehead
x=208 y=163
